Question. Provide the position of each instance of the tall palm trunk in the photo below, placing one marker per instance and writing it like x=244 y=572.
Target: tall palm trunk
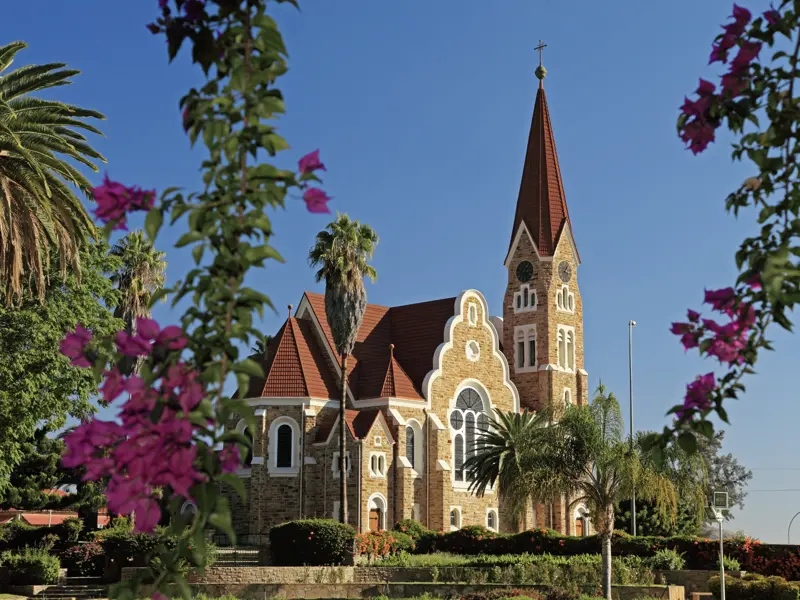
x=342 y=446
x=605 y=537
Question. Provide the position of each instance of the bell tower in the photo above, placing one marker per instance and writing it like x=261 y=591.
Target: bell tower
x=542 y=308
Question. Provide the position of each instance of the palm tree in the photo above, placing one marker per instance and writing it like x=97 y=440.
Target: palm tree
x=40 y=213
x=259 y=349
x=583 y=456
x=341 y=252
x=141 y=274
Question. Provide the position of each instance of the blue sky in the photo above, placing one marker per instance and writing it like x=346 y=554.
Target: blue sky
x=421 y=111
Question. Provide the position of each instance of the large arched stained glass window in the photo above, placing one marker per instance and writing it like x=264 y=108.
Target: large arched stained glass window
x=467 y=421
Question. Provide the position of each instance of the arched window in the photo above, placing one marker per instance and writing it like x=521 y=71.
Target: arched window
x=525 y=348
x=283 y=436
x=570 y=349
x=565 y=300
x=525 y=298
x=467 y=416
x=567 y=397
x=562 y=349
x=473 y=314
x=410 y=449
x=284 y=458
x=491 y=519
x=455 y=517
x=242 y=428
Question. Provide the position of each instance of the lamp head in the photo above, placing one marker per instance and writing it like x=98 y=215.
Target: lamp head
x=632 y=323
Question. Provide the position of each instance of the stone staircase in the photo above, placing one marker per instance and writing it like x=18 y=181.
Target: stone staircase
x=79 y=588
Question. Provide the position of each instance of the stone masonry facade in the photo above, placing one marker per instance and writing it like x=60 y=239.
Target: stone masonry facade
x=423 y=381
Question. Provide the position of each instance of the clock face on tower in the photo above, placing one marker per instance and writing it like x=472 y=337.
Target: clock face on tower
x=564 y=271
x=525 y=271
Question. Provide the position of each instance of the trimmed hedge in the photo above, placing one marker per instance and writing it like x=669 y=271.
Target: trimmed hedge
x=18 y=534
x=31 y=567
x=312 y=542
x=698 y=553
x=755 y=587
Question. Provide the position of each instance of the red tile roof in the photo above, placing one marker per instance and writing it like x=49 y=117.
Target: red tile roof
x=541 y=203
x=359 y=422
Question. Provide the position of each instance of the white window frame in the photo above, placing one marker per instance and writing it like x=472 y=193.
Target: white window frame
x=458 y=524
x=565 y=300
x=476 y=355
x=493 y=511
x=464 y=486
x=378 y=441
x=519 y=299
x=418 y=468
x=336 y=506
x=472 y=313
x=272 y=439
x=525 y=334
x=335 y=464
x=377 y=496
x=566 y=359
x=582 y=513
x=380 y=460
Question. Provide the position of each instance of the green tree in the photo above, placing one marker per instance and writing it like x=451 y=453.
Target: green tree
x=583 y=456
x=37 y=471
x=40 y=214
x=37 y=383
x=341 y=252
x=725 y=473
x=687 y=472
x=142 y=272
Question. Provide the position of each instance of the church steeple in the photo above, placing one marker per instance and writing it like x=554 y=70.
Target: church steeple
x=541 y=203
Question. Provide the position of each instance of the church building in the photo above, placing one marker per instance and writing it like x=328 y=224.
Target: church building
x=422 y=381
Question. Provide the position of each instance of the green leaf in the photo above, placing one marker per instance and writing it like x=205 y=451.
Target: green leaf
x=706 y=428
x=188 y=238
x=152 y=223
x=248 y=366
x=221 y=518
x=688 y=442
x=235 y=482
x=259 y=253
x=197 y=253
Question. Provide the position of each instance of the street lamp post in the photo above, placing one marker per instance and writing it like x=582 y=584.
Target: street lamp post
x=789 y=531
x=631 y=325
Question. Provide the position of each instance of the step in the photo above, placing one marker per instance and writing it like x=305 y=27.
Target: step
x=84 y=581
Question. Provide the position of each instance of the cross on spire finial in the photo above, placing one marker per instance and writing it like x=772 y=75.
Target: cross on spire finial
x=541 y=72
x=540 y=48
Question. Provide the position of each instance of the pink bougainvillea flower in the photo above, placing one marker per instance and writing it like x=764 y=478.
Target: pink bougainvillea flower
x=159 y=596
x=693 y=316
x=229 y=458
x=698 y=135
x=747 y=53
x=310 y=163
x=698 y=394
x=741 y=16
x=316 y=200
x=681 y=328
x=755 y=282
x=721 y=300
x=113 y=386
x=74 y=345
x=733 y=84
x=115 y=200
x=172 y=337
x=772 y=15
x=147 y=328
x=132 y=345
x=194 y=9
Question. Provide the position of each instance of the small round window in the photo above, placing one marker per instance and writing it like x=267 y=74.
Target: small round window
x=473 y=351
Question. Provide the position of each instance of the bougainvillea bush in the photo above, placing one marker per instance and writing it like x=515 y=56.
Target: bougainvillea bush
x=82 y=560
x=380 y=544
x=168 y=381
x=312 y=542
x=754 y=95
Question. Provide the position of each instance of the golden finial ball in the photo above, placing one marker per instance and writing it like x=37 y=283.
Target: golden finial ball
x=541 y=72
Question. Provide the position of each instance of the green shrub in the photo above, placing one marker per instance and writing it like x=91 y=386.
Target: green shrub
x=312 y=542
x=83 y=559
x=505 y=595
x=731 y=564
x=32 y=566
x=378 y=544
x=73 y=527
x=666 y=560
x=413 y=529
x=755 y=588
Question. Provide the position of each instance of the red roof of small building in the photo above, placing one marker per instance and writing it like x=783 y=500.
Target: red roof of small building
x=542 y=204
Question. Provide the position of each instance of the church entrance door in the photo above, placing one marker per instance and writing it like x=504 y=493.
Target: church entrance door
x=374 y=519
x=579 y=527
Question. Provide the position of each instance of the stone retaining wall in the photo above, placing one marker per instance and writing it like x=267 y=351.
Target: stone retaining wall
x=693 y=581
x=337 y=591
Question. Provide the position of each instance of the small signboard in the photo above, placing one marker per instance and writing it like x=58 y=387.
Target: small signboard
x=720 y=501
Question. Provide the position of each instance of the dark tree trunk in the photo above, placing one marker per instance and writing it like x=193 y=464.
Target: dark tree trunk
x=343 y=446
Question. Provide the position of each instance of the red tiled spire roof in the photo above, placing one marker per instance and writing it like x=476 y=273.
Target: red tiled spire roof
x=541 y=203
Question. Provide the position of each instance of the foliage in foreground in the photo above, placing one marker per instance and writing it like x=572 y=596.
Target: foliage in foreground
x=755 y=587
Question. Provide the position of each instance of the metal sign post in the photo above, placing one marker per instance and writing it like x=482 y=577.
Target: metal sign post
x=719 y=506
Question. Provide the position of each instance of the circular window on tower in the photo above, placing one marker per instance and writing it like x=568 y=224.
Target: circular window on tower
x=473 y=351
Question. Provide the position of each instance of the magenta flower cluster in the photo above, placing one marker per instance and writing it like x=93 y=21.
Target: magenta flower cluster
x=316 y=199
x=699 y=128
x=725 y=342
x=115 y=201
x=151 y=445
